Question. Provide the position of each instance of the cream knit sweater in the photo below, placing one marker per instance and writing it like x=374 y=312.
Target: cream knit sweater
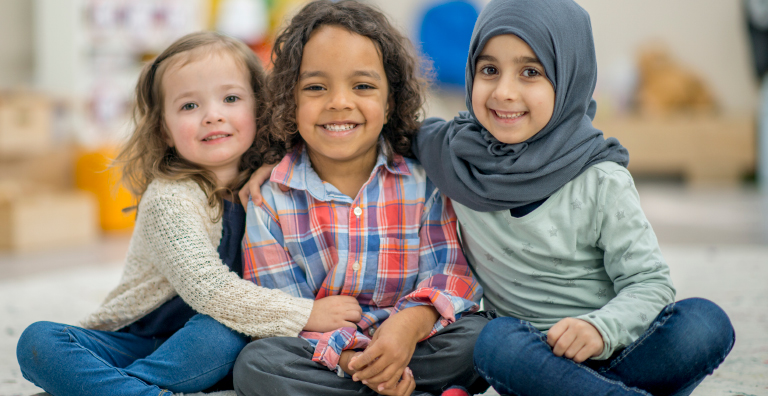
x=174 y=251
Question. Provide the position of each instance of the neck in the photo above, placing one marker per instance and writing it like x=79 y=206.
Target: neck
x=224 y=176
x=348 y=176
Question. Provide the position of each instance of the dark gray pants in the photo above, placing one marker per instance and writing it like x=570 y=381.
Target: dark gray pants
x=283 y=365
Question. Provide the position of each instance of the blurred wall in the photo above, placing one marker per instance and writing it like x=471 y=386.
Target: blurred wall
x=707 y=36
x=16 y=59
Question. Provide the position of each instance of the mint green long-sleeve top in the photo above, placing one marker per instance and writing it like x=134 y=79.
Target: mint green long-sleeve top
x=587 y=252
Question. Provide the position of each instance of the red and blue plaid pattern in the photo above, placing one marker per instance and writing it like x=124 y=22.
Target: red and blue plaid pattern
x=392 y=247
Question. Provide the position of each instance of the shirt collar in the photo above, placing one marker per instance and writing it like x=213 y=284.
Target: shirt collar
x=295 y=171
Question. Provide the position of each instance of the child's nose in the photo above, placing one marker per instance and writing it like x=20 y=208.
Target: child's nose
x=507 y=89
x=213 y=115
x=340 y=100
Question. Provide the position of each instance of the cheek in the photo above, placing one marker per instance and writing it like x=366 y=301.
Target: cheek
x=479 y=97
x=475 y=97
x=303 y=113
x=545 y=103
x=377 y=110
x=180 y=131
x=246 y=120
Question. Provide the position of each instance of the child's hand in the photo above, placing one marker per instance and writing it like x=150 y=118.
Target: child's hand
x=253 y=187
x=334 y=312
x=345 y=358
x=386 y=359
x=404 y=388
x=575 y=339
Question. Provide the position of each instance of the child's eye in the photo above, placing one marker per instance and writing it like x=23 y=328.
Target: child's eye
x=531 y=72
x=189 y=106
x=489 y=70
x=313 y=88
x=231 y=99
x=364 y=86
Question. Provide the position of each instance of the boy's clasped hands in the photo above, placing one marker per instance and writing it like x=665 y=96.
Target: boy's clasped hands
x=383 y=366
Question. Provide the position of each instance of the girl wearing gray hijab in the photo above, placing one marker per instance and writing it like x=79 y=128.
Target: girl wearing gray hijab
x=551 y=222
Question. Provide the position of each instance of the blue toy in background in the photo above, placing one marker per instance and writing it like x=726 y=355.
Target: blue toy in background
x=445 y=33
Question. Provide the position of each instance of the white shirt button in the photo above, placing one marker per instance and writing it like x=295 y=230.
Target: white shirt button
x=358 y=211
x=371 y=331
x=356 y=266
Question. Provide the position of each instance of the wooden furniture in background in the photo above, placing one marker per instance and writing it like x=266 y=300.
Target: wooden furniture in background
x=702 y=149
x=38 y=220
x=25 y=124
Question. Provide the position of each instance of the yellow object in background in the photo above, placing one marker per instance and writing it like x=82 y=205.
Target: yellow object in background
x=281 y=11
x=213 y=13
x=92 y=173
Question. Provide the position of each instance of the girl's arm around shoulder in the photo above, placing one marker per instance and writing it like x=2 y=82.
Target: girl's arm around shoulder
x=632 y=259
x=176 y=227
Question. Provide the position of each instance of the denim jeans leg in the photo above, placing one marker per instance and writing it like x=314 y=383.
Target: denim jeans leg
x=687 y=341
x=515 y=359
x=193 y=359
x=71 y=361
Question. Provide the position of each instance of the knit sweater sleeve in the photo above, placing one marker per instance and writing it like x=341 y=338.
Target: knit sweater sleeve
x=174 y=231
x=632 y=260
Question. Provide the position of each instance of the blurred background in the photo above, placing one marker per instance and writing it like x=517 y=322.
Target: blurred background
x=681 y=84
x=678 y=85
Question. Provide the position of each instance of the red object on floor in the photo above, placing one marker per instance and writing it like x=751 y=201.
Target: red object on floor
x=455 y=391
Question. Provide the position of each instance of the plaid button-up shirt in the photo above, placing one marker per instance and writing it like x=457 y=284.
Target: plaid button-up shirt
x=392 y=247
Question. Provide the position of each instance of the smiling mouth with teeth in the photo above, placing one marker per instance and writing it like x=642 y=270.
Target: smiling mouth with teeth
x=507 y=116
x=209 y=138
x=339 y=127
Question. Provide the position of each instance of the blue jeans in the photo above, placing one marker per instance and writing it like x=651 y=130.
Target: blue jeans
x=685 y=343
x=67 y=360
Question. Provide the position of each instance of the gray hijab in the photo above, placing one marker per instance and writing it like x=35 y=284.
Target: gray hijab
x=473 y=168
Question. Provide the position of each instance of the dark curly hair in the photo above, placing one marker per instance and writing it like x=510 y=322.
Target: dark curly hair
x=405 y=77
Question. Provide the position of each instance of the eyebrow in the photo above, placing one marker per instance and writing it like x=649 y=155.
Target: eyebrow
x=357 y=73
x=187 y=94
x=312 y=74
x=367 y=73
x=182 y=96
x=519 y=59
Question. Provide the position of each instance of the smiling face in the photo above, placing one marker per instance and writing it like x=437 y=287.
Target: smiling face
x=208 y=109
x=511 y=95
x=341 y=98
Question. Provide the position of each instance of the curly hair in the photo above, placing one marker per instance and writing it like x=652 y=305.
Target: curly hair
x=147 y=155
x=406 y=82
